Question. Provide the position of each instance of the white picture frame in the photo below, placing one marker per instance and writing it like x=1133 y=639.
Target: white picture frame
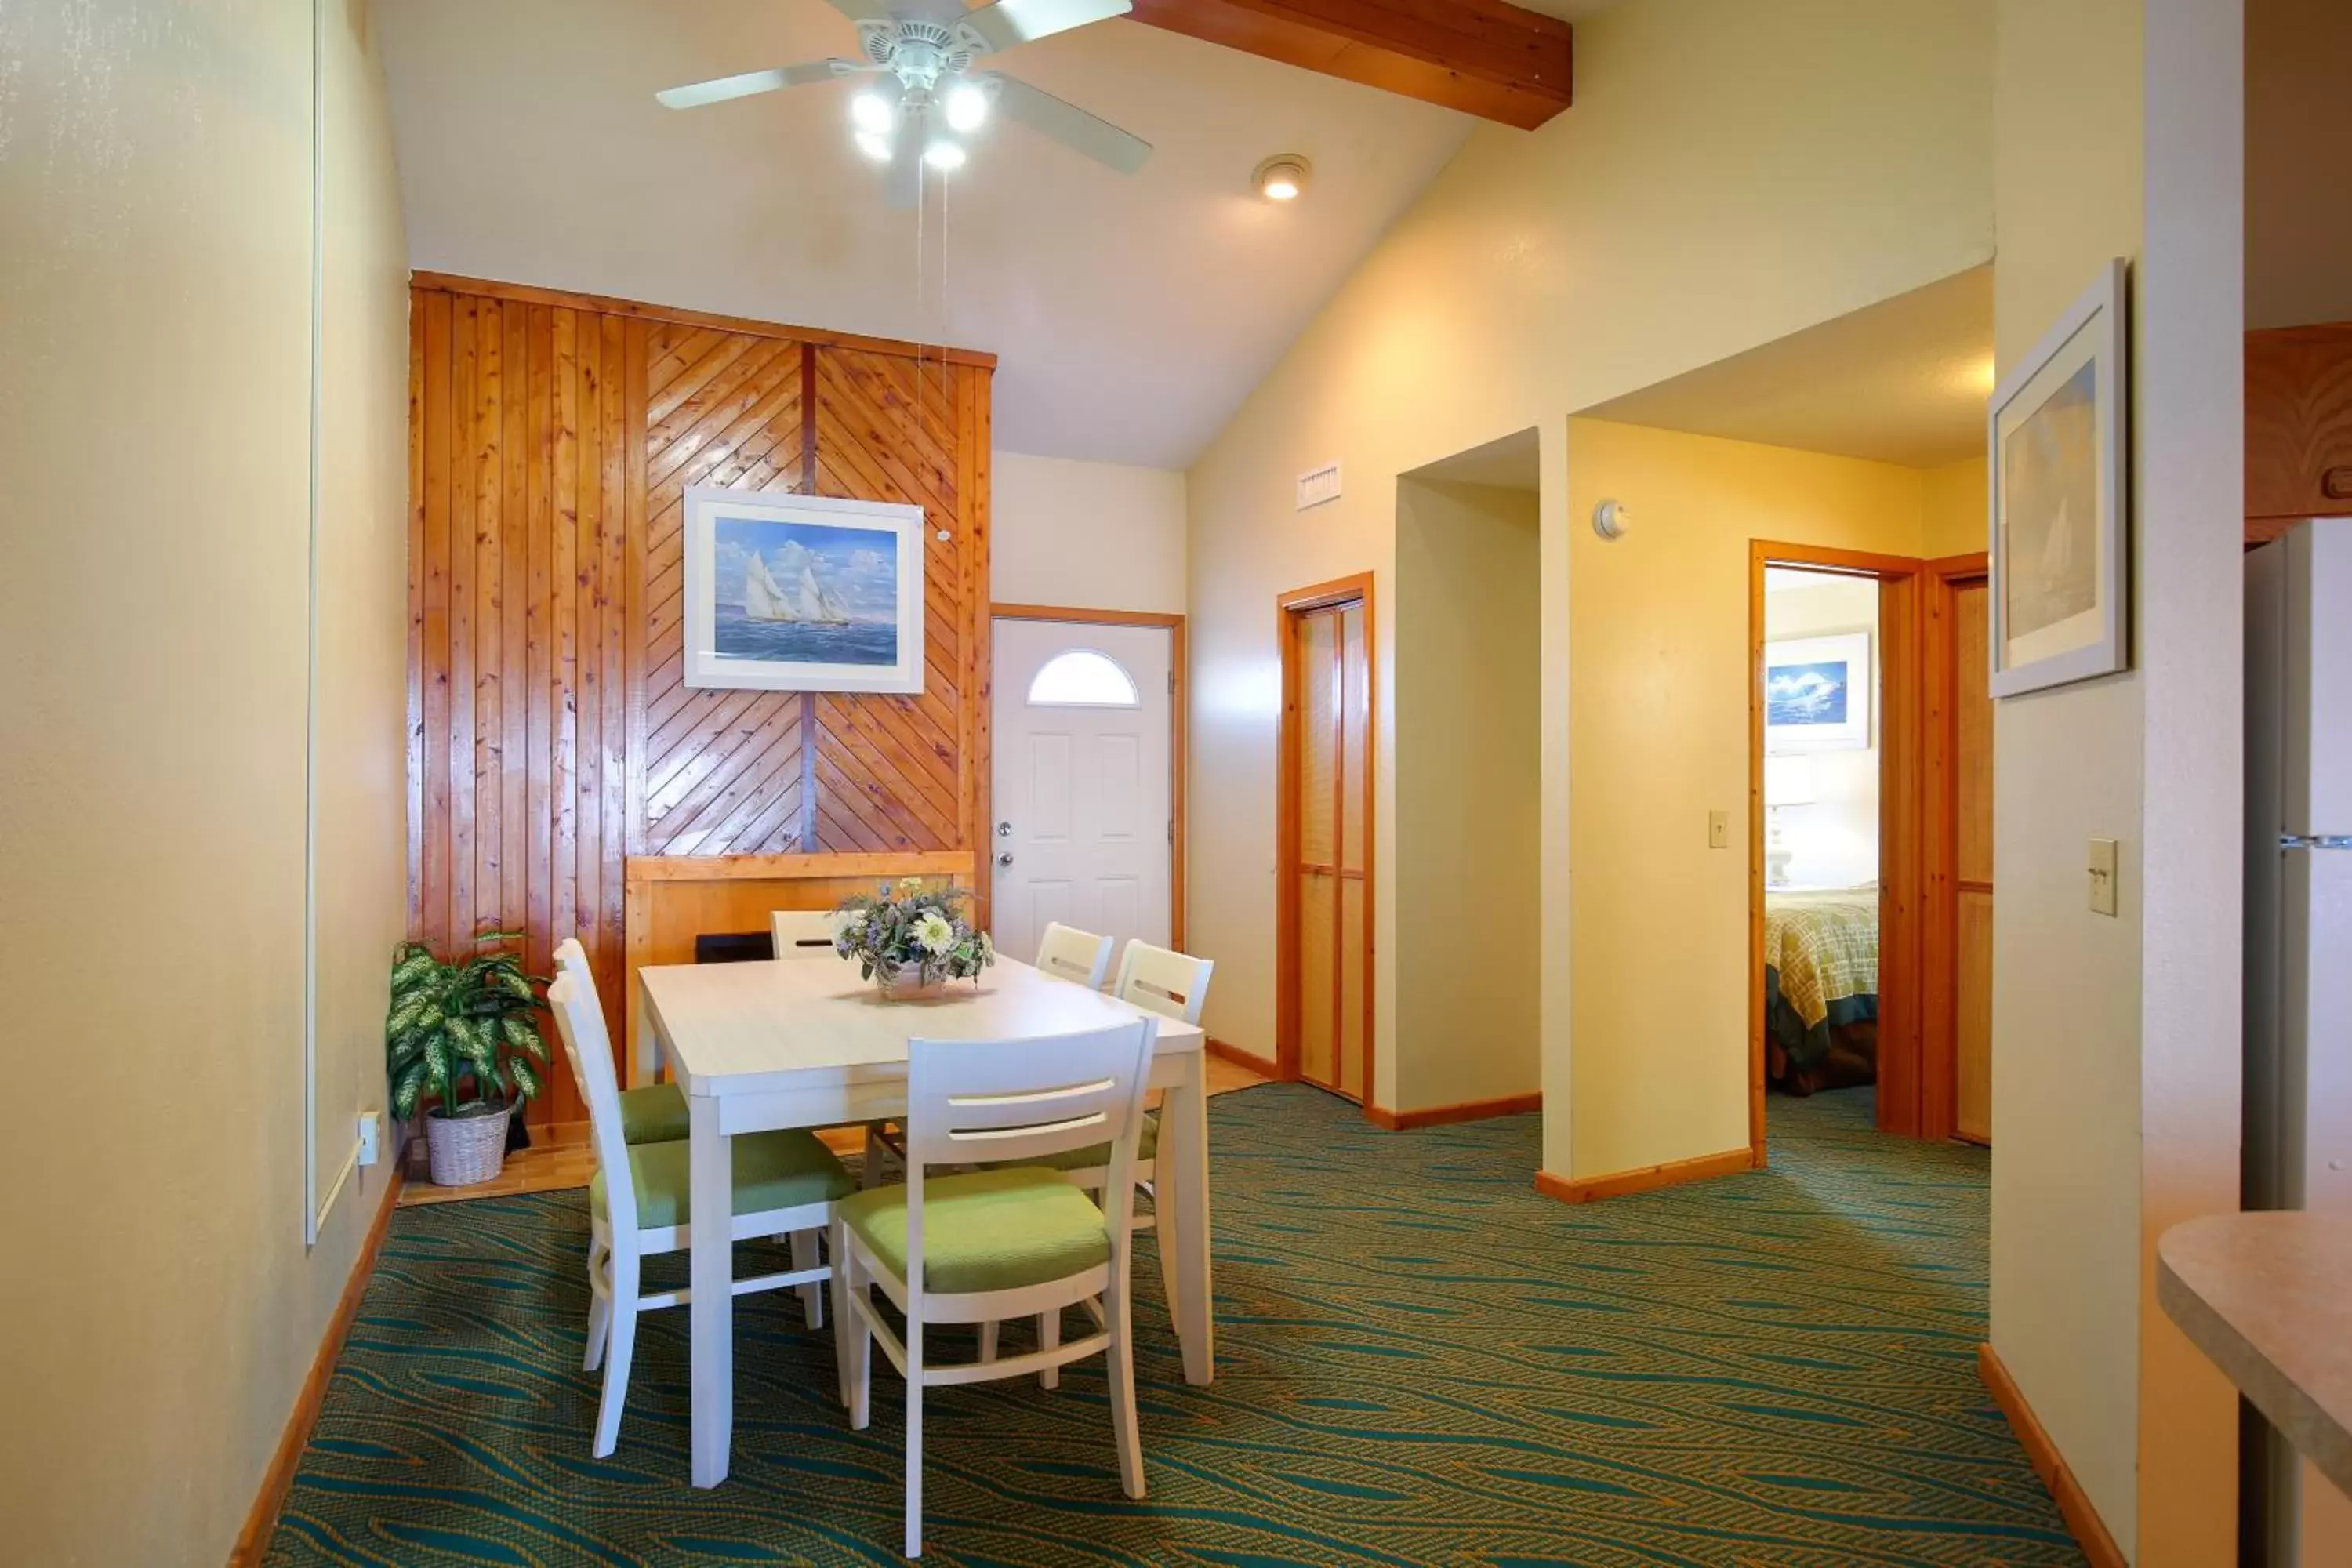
x=790 y=593
x=1818 y=693
x=2056 y=432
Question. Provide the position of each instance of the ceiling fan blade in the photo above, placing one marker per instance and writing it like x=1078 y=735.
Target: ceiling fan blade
x=695 y=95
x=1010 y=22
x=1067 y=123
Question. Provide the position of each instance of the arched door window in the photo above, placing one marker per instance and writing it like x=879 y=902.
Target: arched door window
x=1082 y=677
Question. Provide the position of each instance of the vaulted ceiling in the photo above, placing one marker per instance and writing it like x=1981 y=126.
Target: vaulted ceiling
x=1131 y=314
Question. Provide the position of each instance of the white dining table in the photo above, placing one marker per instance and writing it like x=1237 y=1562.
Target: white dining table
x=804 y=1043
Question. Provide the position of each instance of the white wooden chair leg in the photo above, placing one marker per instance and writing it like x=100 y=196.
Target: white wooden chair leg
x=1162 y=1246
x=837 y=1246
x=988 y=1341
x=860 y=1371
x=914 y=1432
x=622 y=1343
x=600 y=1308
x=804 y=1255
x=1121 y=1373
x=1049 y=1337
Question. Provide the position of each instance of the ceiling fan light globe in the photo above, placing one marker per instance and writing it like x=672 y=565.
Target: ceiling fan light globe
x=944 y=154
x=875 y=147
x=967 y=107
x=871 y=112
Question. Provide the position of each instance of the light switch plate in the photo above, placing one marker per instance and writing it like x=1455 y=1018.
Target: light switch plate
x=1718 y=830
x=2103 y=876
x=370 y=1137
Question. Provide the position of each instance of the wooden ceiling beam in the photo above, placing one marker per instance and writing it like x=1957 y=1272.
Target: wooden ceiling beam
x=1482 y=57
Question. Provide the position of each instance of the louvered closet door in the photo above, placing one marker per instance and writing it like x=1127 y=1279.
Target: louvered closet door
x=1334 y=841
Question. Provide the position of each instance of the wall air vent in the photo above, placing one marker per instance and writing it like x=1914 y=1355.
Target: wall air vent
x=1318 y=486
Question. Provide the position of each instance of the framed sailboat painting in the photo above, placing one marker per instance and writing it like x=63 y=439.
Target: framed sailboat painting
x=787 y=592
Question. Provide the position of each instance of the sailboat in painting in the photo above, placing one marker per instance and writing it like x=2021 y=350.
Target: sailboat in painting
x=812 y=603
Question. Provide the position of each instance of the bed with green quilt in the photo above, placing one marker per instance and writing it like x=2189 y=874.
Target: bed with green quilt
x=1821 y=988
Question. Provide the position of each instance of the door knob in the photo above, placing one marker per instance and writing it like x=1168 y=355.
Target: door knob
x=1005 y=859
x=1004 y=830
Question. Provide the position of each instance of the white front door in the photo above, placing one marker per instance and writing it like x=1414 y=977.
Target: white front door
x=1083 y=784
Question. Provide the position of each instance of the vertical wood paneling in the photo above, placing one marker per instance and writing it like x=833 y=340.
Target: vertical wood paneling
x=552 y=440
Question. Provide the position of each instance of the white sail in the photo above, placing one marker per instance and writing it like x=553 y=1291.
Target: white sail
x=818 y=603
x=763 y=599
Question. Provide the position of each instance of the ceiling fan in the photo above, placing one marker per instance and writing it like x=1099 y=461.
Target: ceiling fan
x=926 y=97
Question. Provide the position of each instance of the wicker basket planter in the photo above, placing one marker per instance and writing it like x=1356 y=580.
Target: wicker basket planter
x=466 y=1148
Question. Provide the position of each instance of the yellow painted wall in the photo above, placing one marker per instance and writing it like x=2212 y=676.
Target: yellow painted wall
x=1468 y=618
x=160 y=1310
x=1658 y=731
x=1540 y=274
x=1956 y=516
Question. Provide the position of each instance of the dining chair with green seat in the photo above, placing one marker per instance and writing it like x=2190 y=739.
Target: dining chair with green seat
x=1175 y=986
x=653 y=1113
x=1065 y=953
x=809 y=935
x=1015 y=1240
x=786 y=1184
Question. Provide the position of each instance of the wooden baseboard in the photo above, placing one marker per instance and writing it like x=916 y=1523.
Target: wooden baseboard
x=2074 y=1502
x=1440 y=1115
x=261 y=1523
x=1262 y=1066
x=1587 y=1189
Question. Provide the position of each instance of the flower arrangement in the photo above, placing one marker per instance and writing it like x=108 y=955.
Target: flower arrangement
x=909 y=937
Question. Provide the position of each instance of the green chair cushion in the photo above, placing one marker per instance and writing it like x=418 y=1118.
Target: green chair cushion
x=1147 y=1147
x=772 y=1171
x=999 y=1229
x=654 y=1114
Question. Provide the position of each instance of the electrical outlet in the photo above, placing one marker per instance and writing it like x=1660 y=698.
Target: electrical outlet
x=370 y=1125
x=2103 y=876
x=1718 y=830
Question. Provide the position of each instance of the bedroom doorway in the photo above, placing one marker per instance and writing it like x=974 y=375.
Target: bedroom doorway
x=1837 y=726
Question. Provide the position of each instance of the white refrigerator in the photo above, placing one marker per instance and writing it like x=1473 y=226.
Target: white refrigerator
x=2297 y=1152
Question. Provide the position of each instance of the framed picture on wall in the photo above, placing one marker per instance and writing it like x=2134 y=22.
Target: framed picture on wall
x=1817 y=693
x=787 y=592
x=2056 y=433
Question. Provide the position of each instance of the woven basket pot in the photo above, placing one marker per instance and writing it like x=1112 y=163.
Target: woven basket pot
x=466 y=1149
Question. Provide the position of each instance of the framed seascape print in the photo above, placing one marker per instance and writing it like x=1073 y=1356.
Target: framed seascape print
x=2056 y=428
x=787 y=592
x=1817 y=693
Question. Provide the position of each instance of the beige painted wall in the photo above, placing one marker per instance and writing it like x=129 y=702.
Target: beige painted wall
x=1955 y=521
x=2116 y=1095
x=1540 y=274
x=1468 y=619
x=1094 y=536
x=1658 y=729
x=156 y=163
x=1833 y=842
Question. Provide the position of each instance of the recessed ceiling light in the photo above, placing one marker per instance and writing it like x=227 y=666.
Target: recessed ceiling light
x=1281 y=178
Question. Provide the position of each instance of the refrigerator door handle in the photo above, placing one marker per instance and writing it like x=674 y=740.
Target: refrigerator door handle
x=2315 y=841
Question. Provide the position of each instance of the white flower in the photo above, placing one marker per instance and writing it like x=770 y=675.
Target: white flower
x=933 y=933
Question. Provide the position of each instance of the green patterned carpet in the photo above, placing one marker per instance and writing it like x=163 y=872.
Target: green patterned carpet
x=1419 y=1361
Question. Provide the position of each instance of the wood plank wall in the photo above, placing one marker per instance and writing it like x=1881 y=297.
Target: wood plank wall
x=552 y=438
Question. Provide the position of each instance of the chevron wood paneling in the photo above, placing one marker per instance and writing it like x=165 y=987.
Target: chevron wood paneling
x=552 y=438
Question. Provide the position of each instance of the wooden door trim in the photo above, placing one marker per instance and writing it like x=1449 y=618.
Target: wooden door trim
x=1287 y=610
x=1940 y=845
x=1899 y=653
x=1178 y=729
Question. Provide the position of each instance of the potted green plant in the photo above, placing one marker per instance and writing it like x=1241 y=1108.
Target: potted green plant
x=460 y=1039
